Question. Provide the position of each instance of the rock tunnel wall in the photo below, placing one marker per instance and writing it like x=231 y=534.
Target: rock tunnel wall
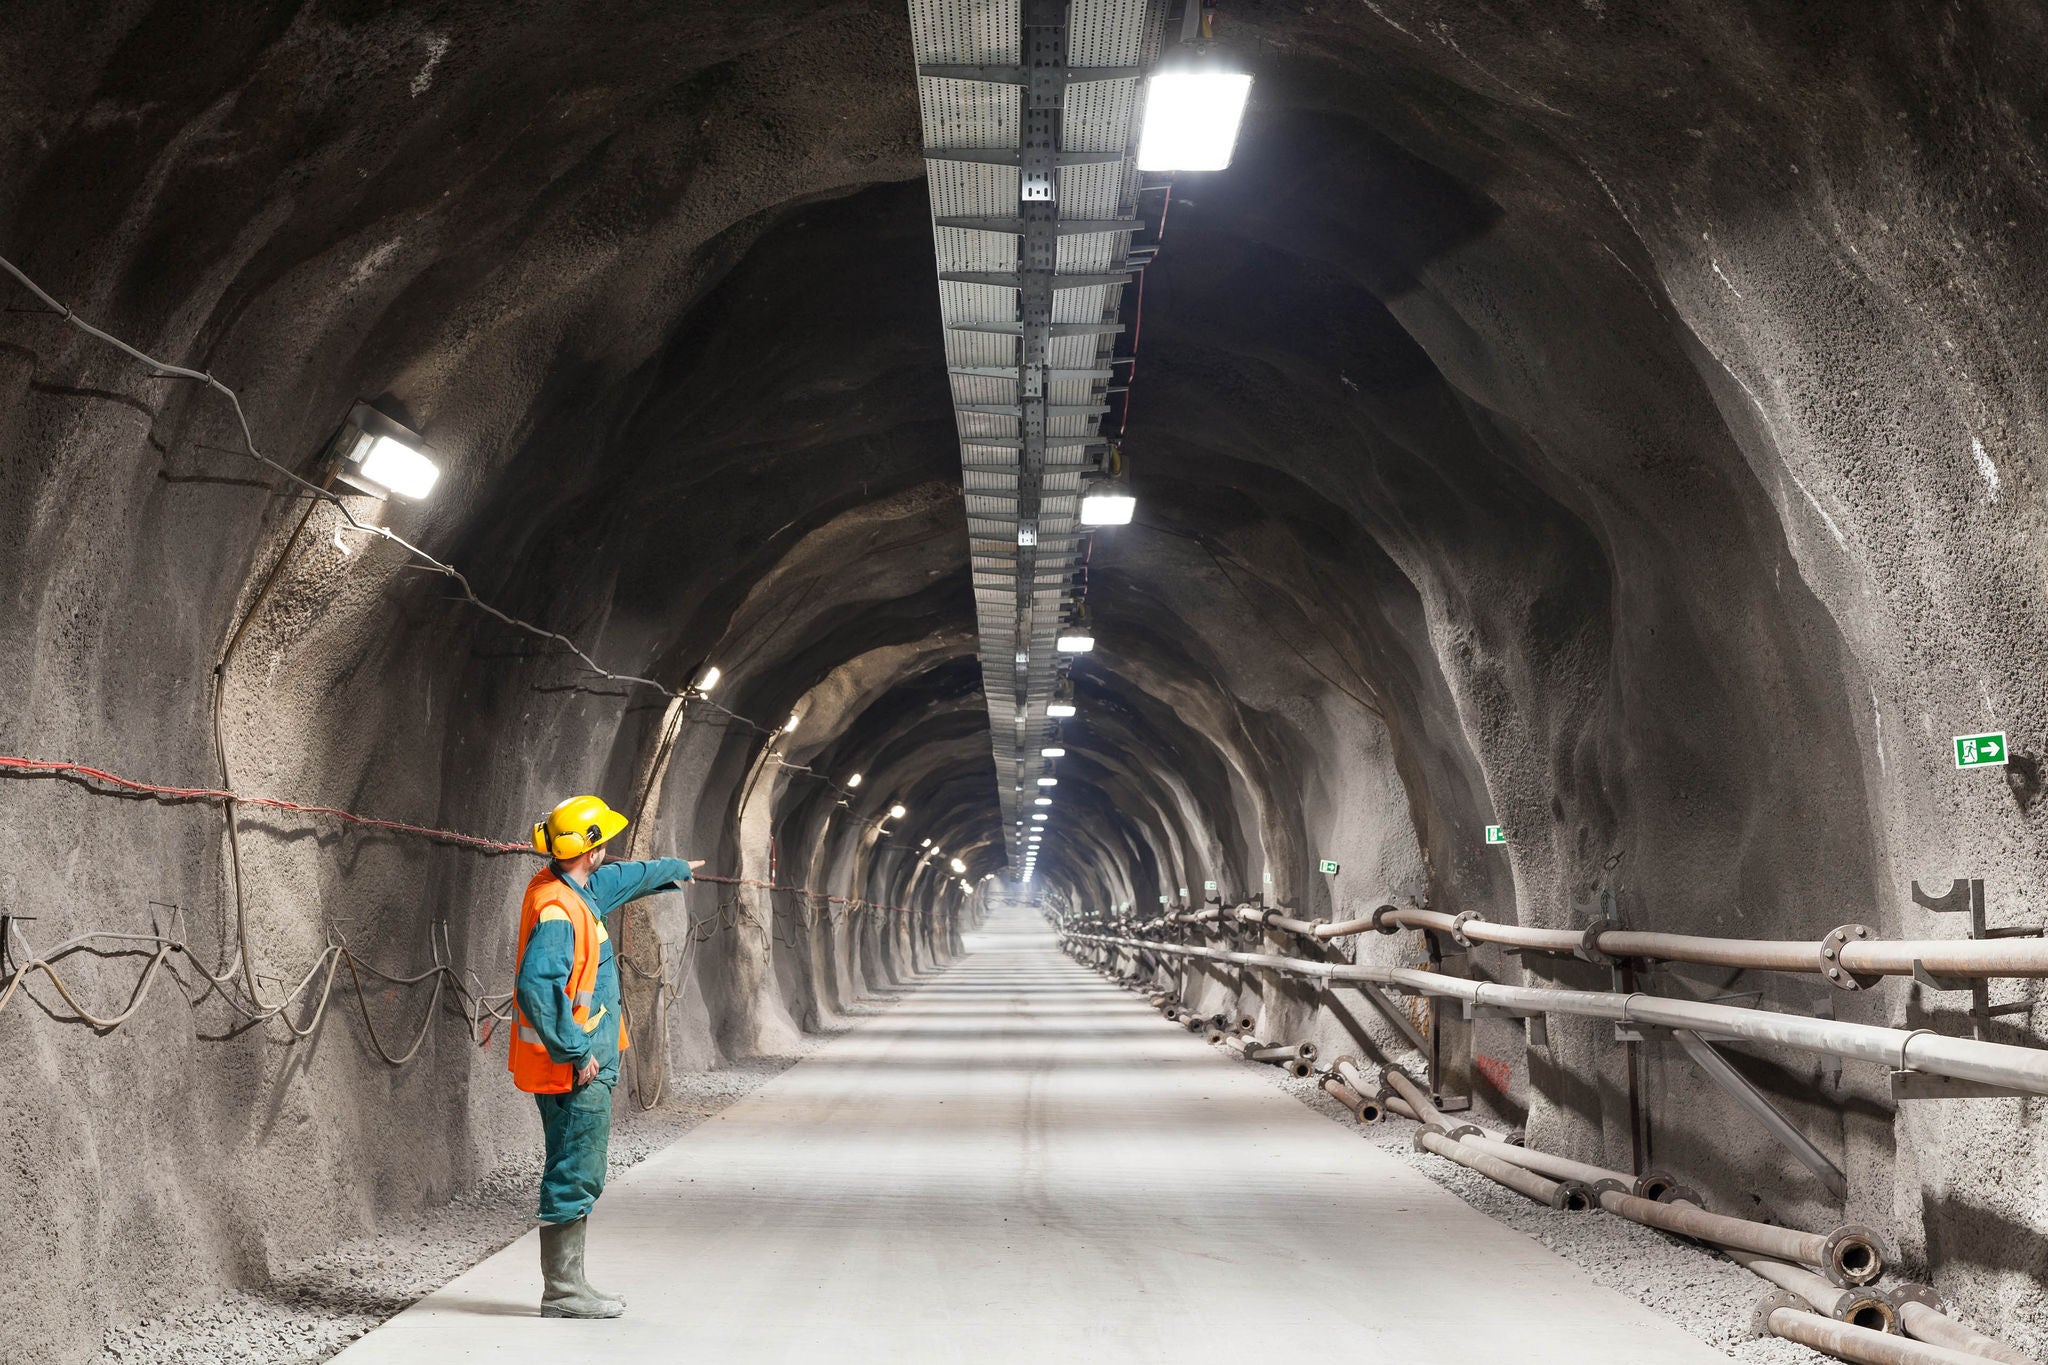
x=1611 y=426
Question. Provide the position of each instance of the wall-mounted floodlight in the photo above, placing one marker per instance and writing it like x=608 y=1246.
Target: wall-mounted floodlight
x=957 y=865
x=853 y=781
x=926 y=844
x=1074 y=644
x=1054 y=752
x=896 y=812
x=1060 y=710
x=1048 y=781
x=1027 y=535
x=706 y=682
x=1041 y=800
x=381 y=457
x=1191 y=119
x=789 y=726
x=1039 y=816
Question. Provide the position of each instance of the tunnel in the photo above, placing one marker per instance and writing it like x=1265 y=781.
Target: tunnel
x=1358 y=676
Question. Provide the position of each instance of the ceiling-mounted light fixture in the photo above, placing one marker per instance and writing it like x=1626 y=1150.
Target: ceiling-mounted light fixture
x=957 y=865
x=707 y=681
x=1054 y=752
x=1041 y=800
x=853 y=781
x=376 y=455
x=1048 y=781
x=1027 y=534
x=1039 y=816
x=896 y=812
x=1062 y=704
x=789 y=726
x=1075 y=644
x=1194 y=103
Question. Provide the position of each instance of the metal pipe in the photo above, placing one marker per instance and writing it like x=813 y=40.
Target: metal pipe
x=2000 y=1064
x=1779 y=1316
x=1850 y=1255
x=2024 y=958
x=1543 y=1163
x=1558 y=1194
x=1920 y=1315
x=1363 y=1108
x=1284 y=1052
x=1862 y=1307
x=1758 y=1104
x=1419 y=1104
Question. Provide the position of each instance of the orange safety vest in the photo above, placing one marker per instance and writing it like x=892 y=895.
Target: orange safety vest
x=549 y=897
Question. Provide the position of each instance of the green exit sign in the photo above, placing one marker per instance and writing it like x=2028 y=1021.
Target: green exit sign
x=1496 y=834
x=1980 y=751
x=1327 y=867
x=1208 y=886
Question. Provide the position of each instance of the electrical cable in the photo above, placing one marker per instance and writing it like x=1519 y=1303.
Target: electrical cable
x=444 y=976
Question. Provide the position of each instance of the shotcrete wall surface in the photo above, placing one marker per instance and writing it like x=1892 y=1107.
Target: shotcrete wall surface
x=1609 y=424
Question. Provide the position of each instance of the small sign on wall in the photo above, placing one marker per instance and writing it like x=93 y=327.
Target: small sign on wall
x=1496 y=834
x=1327 y=868
x=1980 y=751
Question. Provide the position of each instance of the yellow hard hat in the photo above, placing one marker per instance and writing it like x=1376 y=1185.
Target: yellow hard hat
x=576 y=826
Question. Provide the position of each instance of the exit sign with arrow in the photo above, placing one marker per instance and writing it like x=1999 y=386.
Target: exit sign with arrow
x=1980 y=751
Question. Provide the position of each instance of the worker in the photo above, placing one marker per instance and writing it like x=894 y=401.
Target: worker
x=567 y=1028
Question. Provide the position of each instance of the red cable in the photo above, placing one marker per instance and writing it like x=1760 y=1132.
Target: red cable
x=101 y=775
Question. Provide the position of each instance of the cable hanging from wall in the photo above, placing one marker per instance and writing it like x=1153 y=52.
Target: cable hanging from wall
x=478 y=1005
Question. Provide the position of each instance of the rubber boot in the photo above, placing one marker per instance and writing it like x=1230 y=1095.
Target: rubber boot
x=565 y=1293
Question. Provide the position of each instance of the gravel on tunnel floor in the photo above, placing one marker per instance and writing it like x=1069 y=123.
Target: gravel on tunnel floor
x=317 y=1306
x=1707 y=1295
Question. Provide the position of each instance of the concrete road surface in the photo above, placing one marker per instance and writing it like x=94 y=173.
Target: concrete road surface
x=1021 y=1163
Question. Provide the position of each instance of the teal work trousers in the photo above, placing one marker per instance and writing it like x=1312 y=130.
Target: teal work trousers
x=577 y=1127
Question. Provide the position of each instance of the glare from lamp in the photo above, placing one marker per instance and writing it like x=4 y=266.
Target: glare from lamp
x=853 y=781
x=1048 y=781
x=1054 y=752
x=896 y=812
x=1041 y=815
x=1041 y=800
x=1108 y=509
x=1191 y=120
x=391 y=463
x=708 y=681
x=957 y=865
x=1060 y=710
x=789 y=726
x=1074 y=644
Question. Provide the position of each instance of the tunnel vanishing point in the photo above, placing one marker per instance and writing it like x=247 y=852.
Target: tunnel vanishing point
x=1359 y=676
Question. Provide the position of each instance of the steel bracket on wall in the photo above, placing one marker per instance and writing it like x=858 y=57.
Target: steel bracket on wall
x=1966 y=896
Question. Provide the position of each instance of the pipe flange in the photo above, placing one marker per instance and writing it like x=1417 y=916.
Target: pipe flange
x=1831 y=969
x=1369 y=1111
x=1337 y=1064
x=1458 y=923
x=1683 y=1194
x=1655 y=1185
x=1611 y=1186
x=1589 y=946
x=1760 y=1317
x=1573 y=1196
x=1867 y=1308
x=1911 y=1291
x=1299 y=1069
x=1853 y=1255
x=1307 y=1052
x=1424 y=1131
x=1379 y=919
x=1458 y=1132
